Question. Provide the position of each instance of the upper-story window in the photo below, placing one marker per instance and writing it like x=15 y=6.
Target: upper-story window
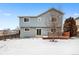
x=53 y=30
x=53 y=19
x=26 y=19
x=39 y=19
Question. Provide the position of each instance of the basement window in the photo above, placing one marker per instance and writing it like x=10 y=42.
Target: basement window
x=26 y=19
x=26 y=29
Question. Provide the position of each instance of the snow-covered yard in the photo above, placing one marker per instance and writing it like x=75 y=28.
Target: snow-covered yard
x=39 y=46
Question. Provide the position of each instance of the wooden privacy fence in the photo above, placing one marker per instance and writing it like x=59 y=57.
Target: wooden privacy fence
x=9 y=35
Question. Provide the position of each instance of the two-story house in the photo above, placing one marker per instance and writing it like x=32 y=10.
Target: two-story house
x=41 y=25
x=77 y=23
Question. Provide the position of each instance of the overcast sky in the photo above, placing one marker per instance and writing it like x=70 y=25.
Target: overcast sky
x=9 y=12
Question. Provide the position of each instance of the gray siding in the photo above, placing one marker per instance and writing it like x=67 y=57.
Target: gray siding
x=30 y=33
x=33 y=32
x=43 y=22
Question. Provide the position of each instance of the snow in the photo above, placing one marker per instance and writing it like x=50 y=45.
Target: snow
x=38 y=46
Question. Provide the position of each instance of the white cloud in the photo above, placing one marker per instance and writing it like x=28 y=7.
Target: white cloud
x=0 y=11
x=71 y=15
x=76 y=15
x=7 y=14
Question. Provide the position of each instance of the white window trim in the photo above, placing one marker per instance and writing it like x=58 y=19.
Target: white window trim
x=26 y=29
x=26 y=19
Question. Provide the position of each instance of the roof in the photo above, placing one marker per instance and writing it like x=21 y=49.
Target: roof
x=51 y=10
x=27 y=16
x=77 y=18
x=44 y=13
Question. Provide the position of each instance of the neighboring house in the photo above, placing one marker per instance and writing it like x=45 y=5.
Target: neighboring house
x=41 y=25
x=77 y=23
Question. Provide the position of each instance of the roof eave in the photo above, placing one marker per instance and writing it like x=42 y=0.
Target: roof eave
x=50 y=10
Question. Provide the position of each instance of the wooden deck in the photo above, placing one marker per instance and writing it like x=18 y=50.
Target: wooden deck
x=57 y=37
x=65 y=35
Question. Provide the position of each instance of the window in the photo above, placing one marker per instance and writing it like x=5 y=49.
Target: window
x=26 y=29
x=38 y=31
x=39 y=19
x=26 y=19
x=53 y=19
x=53 y=30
